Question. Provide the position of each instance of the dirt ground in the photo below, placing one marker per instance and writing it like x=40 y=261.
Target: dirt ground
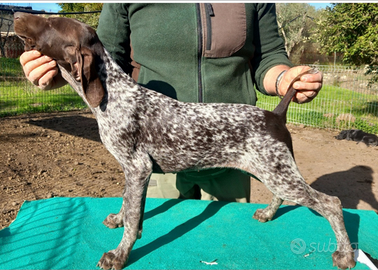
x=60 y=154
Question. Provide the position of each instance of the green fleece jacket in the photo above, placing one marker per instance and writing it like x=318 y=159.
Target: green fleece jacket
x=214 y=52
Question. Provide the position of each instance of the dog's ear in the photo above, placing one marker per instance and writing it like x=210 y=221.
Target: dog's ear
x=86 y=70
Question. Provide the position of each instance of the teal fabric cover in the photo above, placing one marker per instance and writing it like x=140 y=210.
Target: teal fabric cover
x=67 y=233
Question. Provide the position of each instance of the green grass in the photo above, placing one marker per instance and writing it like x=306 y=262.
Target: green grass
x=324 y=110
x=19 y=96
x=10 y=67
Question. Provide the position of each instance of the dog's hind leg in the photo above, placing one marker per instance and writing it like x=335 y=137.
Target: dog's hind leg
x=330 y=207
x=291 y=186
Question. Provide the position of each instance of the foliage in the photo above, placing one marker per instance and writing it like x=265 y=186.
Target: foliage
x=373 y=71
x=89 y=18
x=351 y=29
x=296 y=24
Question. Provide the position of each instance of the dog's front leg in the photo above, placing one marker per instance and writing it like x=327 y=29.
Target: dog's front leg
x=115 y=220
x=137 y=176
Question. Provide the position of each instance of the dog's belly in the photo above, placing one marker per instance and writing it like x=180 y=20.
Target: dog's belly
x=177 y=160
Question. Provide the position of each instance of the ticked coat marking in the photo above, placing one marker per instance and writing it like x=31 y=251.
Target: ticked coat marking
x=147 y=131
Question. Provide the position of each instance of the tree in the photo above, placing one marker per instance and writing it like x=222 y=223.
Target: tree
x=351 y=29
x=295 y=23
x=88 y=18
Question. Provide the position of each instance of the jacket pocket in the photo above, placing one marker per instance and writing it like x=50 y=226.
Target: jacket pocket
x=224 y=29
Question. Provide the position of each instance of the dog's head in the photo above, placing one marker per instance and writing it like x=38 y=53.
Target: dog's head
x=73 y=44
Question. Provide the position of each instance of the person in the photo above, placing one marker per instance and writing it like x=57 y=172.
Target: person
x=195 y=53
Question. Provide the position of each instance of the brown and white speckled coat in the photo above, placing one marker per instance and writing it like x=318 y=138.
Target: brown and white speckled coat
x=147 y=131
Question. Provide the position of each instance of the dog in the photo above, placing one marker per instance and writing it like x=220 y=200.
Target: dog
x=147 y=131
x=358 y=136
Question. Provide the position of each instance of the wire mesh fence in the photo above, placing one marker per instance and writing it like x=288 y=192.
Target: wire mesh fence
x=19 y=96
x=346 y=100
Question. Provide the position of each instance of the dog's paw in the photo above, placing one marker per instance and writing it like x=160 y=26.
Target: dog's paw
x=109 y=260
x=113 y=221
x=343 y=260
x=261 y=215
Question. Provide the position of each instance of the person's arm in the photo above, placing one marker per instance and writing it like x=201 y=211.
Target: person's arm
x=308 y=87
x=270 y=59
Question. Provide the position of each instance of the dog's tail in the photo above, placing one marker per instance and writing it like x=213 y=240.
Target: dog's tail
x=282 y=107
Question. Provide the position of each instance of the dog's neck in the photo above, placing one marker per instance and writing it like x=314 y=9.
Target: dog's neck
x=76 y=85
x=108 y=71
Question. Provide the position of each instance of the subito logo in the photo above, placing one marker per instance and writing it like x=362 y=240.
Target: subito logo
x=298 y=246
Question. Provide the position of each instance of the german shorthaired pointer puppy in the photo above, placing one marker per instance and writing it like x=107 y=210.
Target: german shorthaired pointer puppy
x=147 y=131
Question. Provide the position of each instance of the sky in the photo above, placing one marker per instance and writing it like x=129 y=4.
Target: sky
x=49 y=7
x=53 y=7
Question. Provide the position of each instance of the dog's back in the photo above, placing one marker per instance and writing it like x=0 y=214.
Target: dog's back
x=253 y=144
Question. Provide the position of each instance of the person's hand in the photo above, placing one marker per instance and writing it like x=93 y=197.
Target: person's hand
x=41 y=70
x=308 y=86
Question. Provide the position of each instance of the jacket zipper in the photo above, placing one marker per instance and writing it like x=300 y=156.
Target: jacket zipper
x=209 y=12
